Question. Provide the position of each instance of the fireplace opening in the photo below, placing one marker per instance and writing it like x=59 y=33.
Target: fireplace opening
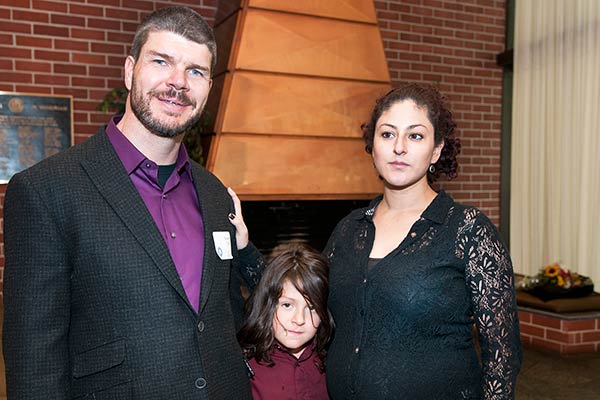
x=311 y=221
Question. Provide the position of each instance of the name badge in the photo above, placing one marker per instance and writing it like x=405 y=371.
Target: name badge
x=223 y=245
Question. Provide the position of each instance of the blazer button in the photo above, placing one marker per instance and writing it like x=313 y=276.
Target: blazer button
x=200 y=383
x=201 y=326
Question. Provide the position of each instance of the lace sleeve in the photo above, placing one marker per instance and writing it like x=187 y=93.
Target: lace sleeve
x=490 y=279
x=251 y=265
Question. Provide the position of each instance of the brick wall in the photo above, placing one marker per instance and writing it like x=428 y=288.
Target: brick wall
x=564 y=336
x=78 y=47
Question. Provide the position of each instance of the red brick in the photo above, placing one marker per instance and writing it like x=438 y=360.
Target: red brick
x=121 y=14
x=46 y=30
x=77 y=45
x=17 y=77
x=70 y=20
x=139 y=5
x=532 y=330
x=83 y=105
x=108 y=48
x=79 y=9
x=562 y=337
x=578 y=325
x=87 y=82
x=15 y=3
x=21 y=15
x=32 y=66
x=33 y=89
x=579 y=348
x=51 y=55
x=104 y=24
x=49 y=5
x=45 y=79
x=34 y=41
x=16 y=27
x=87 y=34
x=590 y=336
x=6 y=64
x=71 y=69
x=86 y=58
x=75 y=92
x=106 y=72
x=15 y=52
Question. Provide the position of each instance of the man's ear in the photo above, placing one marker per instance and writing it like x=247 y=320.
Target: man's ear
x=129 y=66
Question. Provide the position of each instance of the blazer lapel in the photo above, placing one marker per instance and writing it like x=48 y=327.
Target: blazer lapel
x=106 y=171
x=206 y=198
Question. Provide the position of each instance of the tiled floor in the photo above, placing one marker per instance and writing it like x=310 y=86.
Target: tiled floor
x=547 y=376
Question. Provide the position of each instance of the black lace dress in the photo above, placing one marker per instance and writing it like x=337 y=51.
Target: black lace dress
x=404 y=327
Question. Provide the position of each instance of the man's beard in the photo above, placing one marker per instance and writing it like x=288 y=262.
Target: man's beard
x=141 y=108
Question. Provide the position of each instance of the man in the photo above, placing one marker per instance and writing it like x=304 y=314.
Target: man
x=119 y=250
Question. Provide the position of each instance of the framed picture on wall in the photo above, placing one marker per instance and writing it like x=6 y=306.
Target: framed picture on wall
x=32 y=127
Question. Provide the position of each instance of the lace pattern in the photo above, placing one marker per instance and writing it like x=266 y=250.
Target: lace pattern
x=402 y=325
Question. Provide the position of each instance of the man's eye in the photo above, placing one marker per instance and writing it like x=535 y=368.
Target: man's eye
x=160 y=62
x=197 y=72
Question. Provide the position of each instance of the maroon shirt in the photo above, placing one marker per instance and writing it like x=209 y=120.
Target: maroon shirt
x=290 y=378
x=174 y=208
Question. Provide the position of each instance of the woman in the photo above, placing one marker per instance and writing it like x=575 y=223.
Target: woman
x=412 y=273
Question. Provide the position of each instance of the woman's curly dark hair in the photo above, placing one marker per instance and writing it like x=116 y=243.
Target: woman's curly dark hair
x=438 y=114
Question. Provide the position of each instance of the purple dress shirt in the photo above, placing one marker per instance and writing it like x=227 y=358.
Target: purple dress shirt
x=174 y=208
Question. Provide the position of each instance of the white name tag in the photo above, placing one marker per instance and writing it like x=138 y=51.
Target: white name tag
x=223 y=245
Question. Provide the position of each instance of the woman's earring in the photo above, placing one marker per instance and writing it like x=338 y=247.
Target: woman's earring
x=431 y=168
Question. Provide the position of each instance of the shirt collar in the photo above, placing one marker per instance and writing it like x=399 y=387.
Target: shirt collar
x=436 y=211
x=131 y=157
x=306 y=354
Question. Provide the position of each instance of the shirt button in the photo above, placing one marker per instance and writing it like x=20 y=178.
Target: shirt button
x=200 y=383
x=148 y=165
x=164 y=196
x=173 y=235
x=200 y=326
x=356 y=350
x=365 y=280
x=413 y=234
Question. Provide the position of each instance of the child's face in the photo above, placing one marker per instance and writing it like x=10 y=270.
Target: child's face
x=295 y=322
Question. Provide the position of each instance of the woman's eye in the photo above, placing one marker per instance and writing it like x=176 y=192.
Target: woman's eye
x=387 y=134
x=285 y=305
x=312 y=308
x=415 y=136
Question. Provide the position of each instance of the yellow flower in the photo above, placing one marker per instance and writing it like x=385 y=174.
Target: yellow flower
x=552 y=270
x=560 y=281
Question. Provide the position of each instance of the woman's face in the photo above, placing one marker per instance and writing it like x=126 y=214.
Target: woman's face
x=404 y=145
x=295 y=322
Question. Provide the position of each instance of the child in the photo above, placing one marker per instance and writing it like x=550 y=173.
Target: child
x=288 y=326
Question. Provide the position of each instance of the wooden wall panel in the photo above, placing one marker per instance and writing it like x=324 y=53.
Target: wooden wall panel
x=300 y=79
x=353 y=10
x=311 y=46
x=295 y=167
x=292 y=105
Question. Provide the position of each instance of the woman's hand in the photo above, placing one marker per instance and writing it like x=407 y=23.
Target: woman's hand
x=241 y=231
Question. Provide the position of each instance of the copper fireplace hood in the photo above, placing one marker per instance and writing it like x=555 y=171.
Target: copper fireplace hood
x=294 y=81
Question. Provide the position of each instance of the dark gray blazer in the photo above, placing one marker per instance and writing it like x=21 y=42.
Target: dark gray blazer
x=93 y=303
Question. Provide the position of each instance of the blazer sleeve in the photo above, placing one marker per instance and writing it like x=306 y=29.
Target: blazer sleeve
x=36 y=296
